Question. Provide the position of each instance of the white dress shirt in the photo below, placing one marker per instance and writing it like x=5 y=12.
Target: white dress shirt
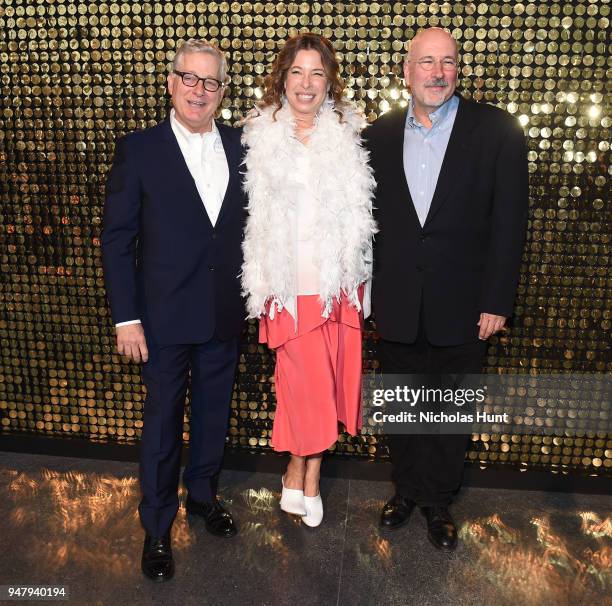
x=206 y=161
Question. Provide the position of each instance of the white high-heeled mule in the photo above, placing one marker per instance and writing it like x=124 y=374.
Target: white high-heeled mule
x=292 y=500
x=314 y=511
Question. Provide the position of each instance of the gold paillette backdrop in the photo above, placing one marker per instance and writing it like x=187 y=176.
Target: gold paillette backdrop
x=76 y=75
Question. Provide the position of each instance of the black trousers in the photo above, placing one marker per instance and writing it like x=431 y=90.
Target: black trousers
x=429 y=468
x=212 y=366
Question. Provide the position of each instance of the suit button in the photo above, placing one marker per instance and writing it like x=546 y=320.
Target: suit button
x=419 y=268
x=423 y=238
x=214 y=235
x=211 y=268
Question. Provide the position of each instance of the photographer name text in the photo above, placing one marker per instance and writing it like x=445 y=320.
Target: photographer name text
x=440 y=417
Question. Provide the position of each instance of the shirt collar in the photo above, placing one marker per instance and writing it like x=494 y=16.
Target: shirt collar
x=438 y=117
x=186 y=135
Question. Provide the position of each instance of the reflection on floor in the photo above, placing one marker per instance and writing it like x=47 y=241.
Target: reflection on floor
x=73 y=522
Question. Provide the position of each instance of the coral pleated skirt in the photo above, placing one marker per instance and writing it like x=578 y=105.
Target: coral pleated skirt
x=317 y=374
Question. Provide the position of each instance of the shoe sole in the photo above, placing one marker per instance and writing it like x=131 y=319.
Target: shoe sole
x=158 y=579
x=294 y=513
x=312 y=527
x=221 y=535
x=388 y=529
x=215 y=534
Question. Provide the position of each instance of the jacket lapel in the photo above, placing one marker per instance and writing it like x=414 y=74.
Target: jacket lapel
x=394 y=161
x=454 y=158
x=178 y=170
x=232 y=154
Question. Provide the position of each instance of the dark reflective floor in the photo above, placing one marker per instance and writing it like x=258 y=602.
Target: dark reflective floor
x=74 y=522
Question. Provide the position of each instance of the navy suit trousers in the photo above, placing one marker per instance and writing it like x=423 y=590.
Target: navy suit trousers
x=212 y=366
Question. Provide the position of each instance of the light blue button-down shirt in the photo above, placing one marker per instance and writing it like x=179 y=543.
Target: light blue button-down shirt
x=424 y=150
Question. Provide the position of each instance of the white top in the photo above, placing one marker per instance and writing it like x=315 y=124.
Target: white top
x=206 y=161
x=306 y=211
x=341 y=181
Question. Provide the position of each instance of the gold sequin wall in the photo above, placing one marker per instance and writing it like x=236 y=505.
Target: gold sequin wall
x=75 y=75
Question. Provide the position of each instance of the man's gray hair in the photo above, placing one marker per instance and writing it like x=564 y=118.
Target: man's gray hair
x=200 y=46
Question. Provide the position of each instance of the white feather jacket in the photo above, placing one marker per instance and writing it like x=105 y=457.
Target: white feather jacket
x=344 y=188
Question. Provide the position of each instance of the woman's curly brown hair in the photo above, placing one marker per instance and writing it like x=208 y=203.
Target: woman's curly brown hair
x=275 y=82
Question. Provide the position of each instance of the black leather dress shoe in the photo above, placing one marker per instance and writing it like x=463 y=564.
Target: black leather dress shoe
x=218 y=520
x=395 y=513
x=441 y=530
x=157 y=562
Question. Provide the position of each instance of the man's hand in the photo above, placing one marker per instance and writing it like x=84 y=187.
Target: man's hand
x=489 y=325
x=131 y=342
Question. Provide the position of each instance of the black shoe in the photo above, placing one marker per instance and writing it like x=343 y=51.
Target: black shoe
x=157 y=562
x=218 y=520
x=441 y=530
x=395 y=513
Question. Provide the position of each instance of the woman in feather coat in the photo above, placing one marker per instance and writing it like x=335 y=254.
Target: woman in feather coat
x=308 y=256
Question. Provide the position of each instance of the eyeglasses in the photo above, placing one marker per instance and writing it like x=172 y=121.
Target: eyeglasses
x=427 y=64
x=210 y=84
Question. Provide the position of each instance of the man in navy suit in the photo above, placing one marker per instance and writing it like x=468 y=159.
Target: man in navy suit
x=173 y=224
x=451 y=206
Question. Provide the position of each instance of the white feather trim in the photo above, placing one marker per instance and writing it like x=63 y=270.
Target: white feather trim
x=344 y=224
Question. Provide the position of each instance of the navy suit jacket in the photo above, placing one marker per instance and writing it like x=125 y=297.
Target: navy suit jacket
x=164 y=262
x=466 y=258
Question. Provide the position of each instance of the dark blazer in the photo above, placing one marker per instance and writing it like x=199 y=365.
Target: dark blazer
x=164 y=263
x=466 y=258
